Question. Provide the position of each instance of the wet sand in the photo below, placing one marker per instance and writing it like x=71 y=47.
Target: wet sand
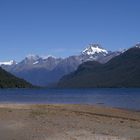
x=67 y=122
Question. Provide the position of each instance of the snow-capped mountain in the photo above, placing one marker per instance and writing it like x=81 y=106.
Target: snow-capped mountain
x=38 y=61
x=9 y=63
x=94 y=49
x=121 y=71
x=94 y=52
x=30 y=59
x=45 y=70
x=33 y=62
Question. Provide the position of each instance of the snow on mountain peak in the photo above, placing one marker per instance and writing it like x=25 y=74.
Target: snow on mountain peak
x=32 y=57
x=94 y=49
x=11 y=62
x=48 y=56
x=35 y=62
x=137 y=45
x=36 y=57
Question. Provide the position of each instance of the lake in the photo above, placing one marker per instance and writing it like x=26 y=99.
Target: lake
x=128 y=98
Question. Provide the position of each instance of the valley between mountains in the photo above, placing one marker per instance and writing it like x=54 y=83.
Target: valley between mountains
x=93 y=67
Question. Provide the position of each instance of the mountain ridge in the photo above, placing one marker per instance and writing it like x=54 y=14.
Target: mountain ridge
x=8 y=80
x=121 y=71
x=50 y=69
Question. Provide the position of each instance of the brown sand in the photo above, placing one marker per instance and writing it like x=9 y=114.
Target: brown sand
x=67 y=122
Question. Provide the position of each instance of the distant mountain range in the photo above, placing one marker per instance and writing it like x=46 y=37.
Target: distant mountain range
x=121 y=71
x=7 y=80
x=48 y=71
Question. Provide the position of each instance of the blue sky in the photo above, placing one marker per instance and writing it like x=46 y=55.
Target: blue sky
x=65 y=27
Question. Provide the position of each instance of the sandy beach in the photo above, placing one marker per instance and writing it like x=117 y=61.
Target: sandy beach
x=67 y=122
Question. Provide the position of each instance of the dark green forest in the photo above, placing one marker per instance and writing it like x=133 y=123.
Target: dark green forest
x=7 y=80
x=121 y=71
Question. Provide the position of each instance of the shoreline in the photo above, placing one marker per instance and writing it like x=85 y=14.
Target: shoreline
x=94 y=105
x=67 y=122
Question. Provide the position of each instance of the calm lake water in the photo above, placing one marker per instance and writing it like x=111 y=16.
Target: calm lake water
x=122 y=98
